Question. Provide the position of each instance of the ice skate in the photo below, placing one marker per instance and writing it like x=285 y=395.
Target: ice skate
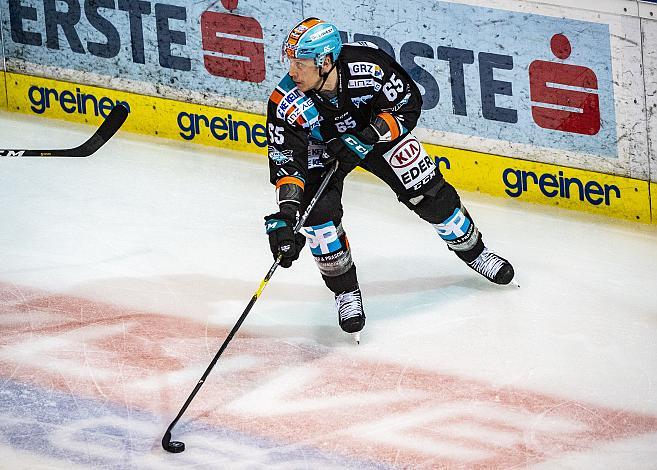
x=351 y=316
x=493 y=267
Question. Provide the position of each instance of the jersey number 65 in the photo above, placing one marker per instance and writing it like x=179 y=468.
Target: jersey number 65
x=276 y=134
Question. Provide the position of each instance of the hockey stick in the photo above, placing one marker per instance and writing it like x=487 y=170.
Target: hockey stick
x=107 y=129
x=178 y=446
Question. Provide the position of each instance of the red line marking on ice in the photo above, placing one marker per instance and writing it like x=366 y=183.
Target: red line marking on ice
x=293 y=393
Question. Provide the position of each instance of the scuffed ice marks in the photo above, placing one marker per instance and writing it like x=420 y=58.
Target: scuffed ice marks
x=64 y=430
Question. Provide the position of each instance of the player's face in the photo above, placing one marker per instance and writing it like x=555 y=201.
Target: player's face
x=305 y=74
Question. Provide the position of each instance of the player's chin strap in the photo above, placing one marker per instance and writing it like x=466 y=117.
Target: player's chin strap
x=324 y=76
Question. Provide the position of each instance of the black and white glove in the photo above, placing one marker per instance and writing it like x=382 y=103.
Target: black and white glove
x=282 y=239
x=349 y=150
x=336 y=149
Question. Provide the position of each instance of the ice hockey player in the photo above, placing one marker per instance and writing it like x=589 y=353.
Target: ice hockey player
x=356 y=104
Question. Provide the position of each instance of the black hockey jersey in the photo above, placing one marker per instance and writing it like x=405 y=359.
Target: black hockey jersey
x=370 y=84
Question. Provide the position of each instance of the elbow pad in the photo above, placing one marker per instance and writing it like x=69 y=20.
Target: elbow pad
x=289 y=190
x=384 y=128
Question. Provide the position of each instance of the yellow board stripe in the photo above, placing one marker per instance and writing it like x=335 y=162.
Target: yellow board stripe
x=187 y=122
x=3 y=90
x=653 y=202
x=541 y=183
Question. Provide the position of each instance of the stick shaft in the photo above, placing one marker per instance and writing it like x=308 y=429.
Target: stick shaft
x=167 y=436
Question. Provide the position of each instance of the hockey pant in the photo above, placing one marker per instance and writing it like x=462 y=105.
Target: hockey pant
x=412 y=174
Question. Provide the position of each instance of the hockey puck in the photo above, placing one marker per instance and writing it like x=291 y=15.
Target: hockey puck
x=176 y=447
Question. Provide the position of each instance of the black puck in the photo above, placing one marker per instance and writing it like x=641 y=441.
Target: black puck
x=176 y=447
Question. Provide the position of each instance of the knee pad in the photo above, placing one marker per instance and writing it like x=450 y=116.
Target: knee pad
x=459 y=231
x=436 y=204
x=330 y=248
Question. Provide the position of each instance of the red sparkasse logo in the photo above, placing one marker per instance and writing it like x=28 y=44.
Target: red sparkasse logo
x=564 y=96
x=405 y=154
x=233 y=45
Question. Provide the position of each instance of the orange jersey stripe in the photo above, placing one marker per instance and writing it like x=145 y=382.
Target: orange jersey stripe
x=289 y=180
x=276 y=97
x=393 y=125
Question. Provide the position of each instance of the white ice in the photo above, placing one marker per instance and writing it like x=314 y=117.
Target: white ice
x=176 y=230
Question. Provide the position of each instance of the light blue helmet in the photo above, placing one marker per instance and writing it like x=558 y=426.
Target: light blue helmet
x=313 y=39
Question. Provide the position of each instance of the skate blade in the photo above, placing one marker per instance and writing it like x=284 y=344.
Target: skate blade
x=515 y=283
x=356 y=337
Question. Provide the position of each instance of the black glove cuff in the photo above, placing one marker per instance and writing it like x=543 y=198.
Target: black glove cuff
x=341 y=152
x=288 y=212
x=368 y=135
x=288 y=218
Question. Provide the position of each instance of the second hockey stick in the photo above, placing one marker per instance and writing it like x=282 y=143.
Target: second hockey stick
x=107 y=129
x=178 y=446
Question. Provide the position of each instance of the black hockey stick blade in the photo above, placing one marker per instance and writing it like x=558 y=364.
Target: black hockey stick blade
x=107 y=129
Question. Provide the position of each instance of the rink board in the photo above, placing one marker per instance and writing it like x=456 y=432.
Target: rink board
x=486 y=84
x=509 y=178
x=541 y=183
x=3 y=90
x=149 y=115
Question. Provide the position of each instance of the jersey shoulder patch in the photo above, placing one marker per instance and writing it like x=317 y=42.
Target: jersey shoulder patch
x=360 y=68
x=293 y=105
x=362 y=44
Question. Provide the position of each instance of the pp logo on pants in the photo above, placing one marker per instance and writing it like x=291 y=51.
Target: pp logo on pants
x=454 y=227
x=322 y=239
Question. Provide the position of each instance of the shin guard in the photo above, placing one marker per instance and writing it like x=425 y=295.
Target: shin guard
x=461 y=234
x=330 y=248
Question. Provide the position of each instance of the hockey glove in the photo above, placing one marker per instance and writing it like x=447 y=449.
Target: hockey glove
x=349 y=151
x=282 y=239
x=369 y=135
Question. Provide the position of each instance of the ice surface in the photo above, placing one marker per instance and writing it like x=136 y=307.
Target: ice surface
x=120 y=275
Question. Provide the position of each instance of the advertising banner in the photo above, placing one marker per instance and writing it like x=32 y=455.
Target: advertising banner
x=523 y=78
x=527 y=80
x=547 y=184
x=186 y=122
x=496 y=74
x=193 y=50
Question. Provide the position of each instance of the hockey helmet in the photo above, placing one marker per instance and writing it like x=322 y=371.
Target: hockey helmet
x=313 y=39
